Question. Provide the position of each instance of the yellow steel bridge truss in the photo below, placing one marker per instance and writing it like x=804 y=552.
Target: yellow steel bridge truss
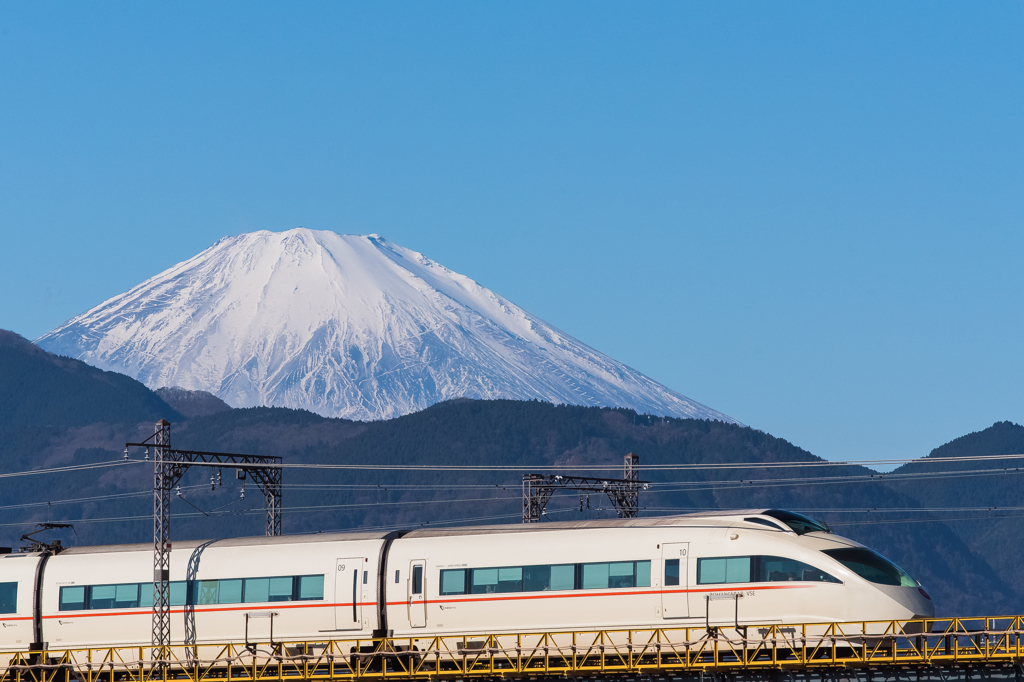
x=661 y=651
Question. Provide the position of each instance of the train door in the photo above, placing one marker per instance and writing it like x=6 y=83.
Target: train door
x=675 y=584
x=417 y=594
x=346 y=594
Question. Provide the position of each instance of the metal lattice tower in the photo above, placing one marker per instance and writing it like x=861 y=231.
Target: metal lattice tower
x=161 y=539
x=624 y=492
x=168 y=468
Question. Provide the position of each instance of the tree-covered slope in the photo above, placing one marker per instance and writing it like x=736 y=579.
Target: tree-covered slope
x=989 y=494
x=41 y=389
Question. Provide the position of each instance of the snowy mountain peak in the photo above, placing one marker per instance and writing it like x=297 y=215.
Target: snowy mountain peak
x=347 y=326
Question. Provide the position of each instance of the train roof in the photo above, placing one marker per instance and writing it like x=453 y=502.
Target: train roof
x=702 y=518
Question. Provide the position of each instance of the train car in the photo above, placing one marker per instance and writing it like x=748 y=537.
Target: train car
x=755 y=567
x=752 y=568
x=245 y=589
x=18 y=575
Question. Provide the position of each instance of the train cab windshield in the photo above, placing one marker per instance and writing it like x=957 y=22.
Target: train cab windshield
x=871 y=566
x=798 y=523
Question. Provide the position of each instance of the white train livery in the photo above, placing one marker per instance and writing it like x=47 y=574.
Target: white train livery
x=752 y=567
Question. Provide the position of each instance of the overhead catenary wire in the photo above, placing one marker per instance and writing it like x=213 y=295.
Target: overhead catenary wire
x=72 y=467
x=654 y=488
x=648 y=467
x=291 y=510
x=672 y=510
x=547 y=467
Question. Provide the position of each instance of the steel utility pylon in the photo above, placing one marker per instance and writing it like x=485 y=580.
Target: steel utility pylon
x=624 y=492
x=168 y=467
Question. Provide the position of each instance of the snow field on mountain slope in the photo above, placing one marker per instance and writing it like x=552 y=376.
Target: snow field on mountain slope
x=344 y=325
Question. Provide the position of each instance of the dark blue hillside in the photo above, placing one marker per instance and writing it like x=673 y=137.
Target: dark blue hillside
x=41 y=389
x=994 y=533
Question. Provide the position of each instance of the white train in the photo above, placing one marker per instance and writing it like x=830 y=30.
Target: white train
x=757 y=567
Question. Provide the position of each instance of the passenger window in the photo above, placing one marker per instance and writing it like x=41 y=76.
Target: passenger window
x=671 y=572
x=146 y=595
x=563 y=577
x=205 y=592
x=280 y=589
x=417 y=580
x=453 y=581
x=595 y=576
x=230 y=591
x=72 y=598
x=102 y=596
x=126 y=596
x=643 y=574
x=179 y=591
x=619 y=574
x=775 y=569
x=312 y=587
x=257 y=590
x=542 y=578
x=485 y=580
x=510 y=579
x=8 y=597
x=723 y=570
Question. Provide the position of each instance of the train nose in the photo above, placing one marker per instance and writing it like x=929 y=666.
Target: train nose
x=917 y=600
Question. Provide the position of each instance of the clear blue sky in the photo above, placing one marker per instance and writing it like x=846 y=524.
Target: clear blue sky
x=808 y=216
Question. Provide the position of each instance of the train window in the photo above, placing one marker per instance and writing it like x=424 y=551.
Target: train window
x=616 y=574
x=205 y=591
x=312 y=587
x=563 y=577
x=595 y=576
x=8 y=597
x=146 y=595
x=179 y=592
x=757 y=569
x=126 y=596
x=763 y=522
x=798 y=523
x=643 y=574
x=723 y=570
x=510 y=579
x=280 y=589
x=366 y=577
x=230 y=591
x=102 y=596
x=72 y=598
x=542 y=578
x=417 y=580
x=671 y=571
x=871 y=566
x=123 y=596
x=484 y=580
x=453 y=581
x=545 y=577
x=776 y=568
x=396 y=575
x=257 y=590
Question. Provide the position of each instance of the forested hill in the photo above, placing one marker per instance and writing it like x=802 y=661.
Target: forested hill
x=42 y=389
x=969 y=567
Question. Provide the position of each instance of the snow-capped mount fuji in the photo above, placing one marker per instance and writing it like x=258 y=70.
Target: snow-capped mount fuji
x=345 y=326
